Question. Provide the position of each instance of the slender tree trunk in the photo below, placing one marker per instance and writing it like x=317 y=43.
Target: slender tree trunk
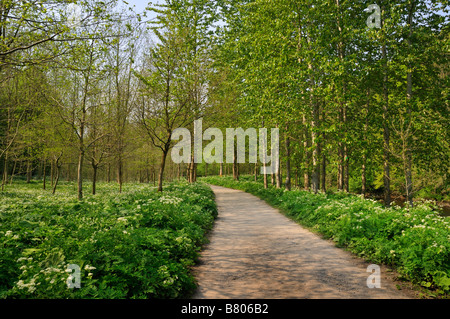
x=386 y=132
x=161 y=169
x=324 y=172
x=58 y=170
x=120 y=172
x=55 y=184
x=52 y=172
x=28 y=171
x=342 y=171
x=43 y=175
x=363 y=177
x=108 y=174
x=13 y=173
x=288 y=160
x=5 y=171
x=346 y=154
x=192 y=170
x=340 y=177
x=306 y=180
x=278 y=175
x=94 y=178
x=365 y=150
x=408 y=155
x=235 y=165
x=315 y=143
x=80 y=174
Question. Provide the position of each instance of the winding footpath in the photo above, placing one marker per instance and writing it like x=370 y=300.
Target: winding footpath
x=255 y=252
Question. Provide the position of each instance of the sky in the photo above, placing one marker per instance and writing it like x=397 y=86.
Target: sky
x=141 y=4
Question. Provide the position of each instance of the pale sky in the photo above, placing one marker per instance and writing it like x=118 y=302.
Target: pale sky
x=141 y=4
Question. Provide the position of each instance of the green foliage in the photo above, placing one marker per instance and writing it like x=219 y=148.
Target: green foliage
x=415 y=241
x=138 y=244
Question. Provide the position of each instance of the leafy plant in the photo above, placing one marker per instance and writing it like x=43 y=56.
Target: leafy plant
x=138 y=244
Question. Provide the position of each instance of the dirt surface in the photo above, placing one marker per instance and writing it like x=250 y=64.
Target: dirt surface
x=255 y=252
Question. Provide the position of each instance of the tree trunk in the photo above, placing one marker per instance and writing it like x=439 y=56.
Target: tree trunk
x=5 y=171
x=94 y=178
x=43 y=175
x=13 y=173
x=346 y=155
x=364 y=151
x=324 y=173
x=363 y=177
x=161 y=169
x=191 y=169
x=52 y=173
x=235 y=165
x=341 y=160
x=28 y=171
x=58 y=170
x=80 y=174
x=120 y=173
x=55 y=184
x=315 y=143
x=288 y=161
x=407 y=153
x=108 y=175
x=306 y=180
x=278 y=175
x=386 y=132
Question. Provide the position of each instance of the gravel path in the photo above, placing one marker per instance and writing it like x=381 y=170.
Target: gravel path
x=255 y=252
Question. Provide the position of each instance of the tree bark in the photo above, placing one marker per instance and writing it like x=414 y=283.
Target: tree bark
x=28 y=171
x=235 y=165
x=13 y=172
x=161 y=169
x=58 y=170
x=5 y=171
x=94 y=178
x=407 y=153
x=306 y=174
x=364 y=151
x=120 y=173
x=288 y=161
x=386 y=130
x=43 y=175
x=80 y=174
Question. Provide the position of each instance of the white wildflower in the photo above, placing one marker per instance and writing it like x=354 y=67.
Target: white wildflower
x=87 y=267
